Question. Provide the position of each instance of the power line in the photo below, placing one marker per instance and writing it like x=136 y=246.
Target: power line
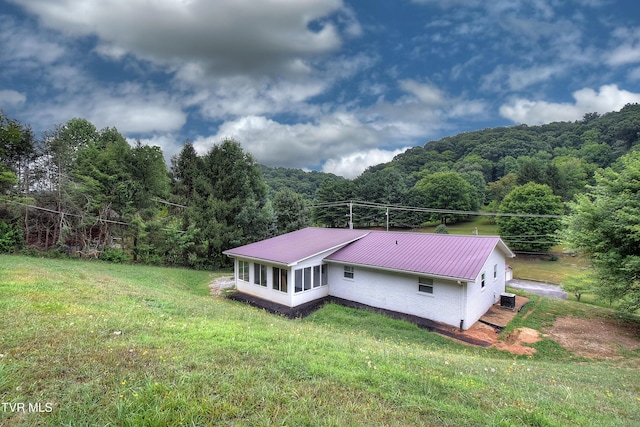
x=352 y=203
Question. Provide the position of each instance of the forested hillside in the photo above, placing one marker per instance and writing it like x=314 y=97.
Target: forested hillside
x=80 y=191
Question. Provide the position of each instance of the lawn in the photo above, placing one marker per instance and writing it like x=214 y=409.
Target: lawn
x=91 y=343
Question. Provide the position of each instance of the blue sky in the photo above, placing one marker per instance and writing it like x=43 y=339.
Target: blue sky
x=333 y=85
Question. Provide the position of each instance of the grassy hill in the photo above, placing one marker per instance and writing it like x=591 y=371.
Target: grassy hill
x=101 y=344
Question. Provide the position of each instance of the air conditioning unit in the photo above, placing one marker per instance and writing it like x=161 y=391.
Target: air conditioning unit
x=508 y=301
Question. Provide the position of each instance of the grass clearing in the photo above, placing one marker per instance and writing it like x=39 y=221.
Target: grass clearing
x=109 y=344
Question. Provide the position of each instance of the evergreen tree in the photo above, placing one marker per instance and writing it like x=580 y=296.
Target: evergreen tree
x=290 y=211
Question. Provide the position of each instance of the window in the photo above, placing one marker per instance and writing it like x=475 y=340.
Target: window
x=243 y=270
x=298 y=280
x=325 y=275
x=495 y=272
x=482 y=281
x=425 y=285
x=307 y=278
x=348 y=272
x=316 y=276
x=303 y=279
x=279 y=279
x=260 y=274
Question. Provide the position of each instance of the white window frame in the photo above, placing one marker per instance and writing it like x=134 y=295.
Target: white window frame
x=277 y=275
x=324 y=272
x=259 y=274
x=349 y=272
x=243 y=270
x=425 y=283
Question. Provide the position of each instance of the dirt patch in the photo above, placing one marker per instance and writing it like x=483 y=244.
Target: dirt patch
x=482 y=332
x=221 y=283
x=596 y=338
x=514 y=341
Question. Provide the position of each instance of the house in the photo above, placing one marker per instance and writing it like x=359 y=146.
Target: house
x=447 y=278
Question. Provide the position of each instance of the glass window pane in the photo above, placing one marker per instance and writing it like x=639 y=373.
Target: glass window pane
x=307 y=278
x=427 y=289
x=325 y=274
x=298 y=280
x=256 y=273
x=283 y=280
x=316 y=276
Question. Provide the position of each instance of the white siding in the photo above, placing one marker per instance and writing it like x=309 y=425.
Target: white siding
x=313 y=293
x=267 y=292
x=398 y=292
x=479 y=300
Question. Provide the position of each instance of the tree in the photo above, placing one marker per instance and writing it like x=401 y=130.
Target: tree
x=530 y=171
x=530 y=233
x=332 y=190
x=229 y=203
x=497 y=190
x=17 y=151
x=290 y=211
x=447 y=190
x=385 y=186
x=578 y=284
x=605 y=225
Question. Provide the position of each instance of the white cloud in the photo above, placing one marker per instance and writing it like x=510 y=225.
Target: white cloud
x=352 y=165
x=428 y=94
x=11 y=98
x=295 y=145
x=131 y=115
x=129 y=107
x=26 y=51
x=225 y=36
x=515 y=79
x=627 y=49
x=587 y=100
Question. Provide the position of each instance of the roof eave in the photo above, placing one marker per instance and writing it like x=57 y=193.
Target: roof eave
x=332 y=249
x=252 y=258
x=397 y=270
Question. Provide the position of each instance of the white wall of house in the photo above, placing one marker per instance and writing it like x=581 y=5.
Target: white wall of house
x=480 y=299
x=398 y=292
x=310 y=269
x=315 y=292
x=266 y=292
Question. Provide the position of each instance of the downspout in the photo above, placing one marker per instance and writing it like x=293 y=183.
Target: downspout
x=463 y=304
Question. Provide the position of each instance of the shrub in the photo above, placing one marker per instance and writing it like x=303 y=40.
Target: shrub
x=10 y=238
x=113 y=255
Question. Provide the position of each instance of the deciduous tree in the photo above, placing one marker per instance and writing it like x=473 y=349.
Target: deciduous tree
x=605 y=225
x=530 y=233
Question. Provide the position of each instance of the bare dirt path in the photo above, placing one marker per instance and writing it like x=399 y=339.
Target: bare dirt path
x=596 y=338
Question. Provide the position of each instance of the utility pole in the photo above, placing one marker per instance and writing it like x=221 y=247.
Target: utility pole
x=350 y=215
x=387 y=218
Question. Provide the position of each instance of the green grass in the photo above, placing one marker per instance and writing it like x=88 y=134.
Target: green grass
x=125 y=345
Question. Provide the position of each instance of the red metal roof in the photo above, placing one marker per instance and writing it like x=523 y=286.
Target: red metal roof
x=298 y=245
x=447 y=255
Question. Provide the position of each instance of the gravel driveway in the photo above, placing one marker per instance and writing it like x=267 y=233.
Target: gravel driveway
x=538 y=288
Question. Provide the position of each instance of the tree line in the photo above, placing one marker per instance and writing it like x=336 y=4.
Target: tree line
x=80 y=191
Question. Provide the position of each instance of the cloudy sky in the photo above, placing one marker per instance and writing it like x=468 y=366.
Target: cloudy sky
x=333 y=85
